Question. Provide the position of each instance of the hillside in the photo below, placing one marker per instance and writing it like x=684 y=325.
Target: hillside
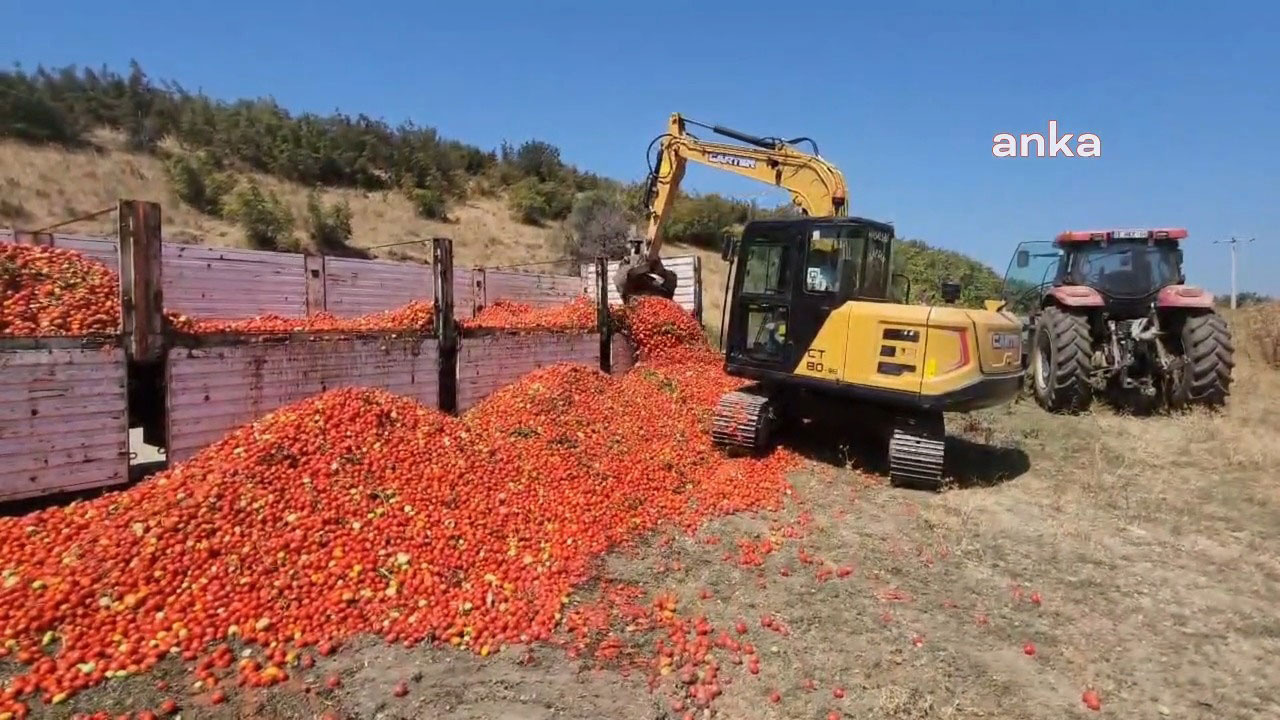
x=47 y=184
x=249 y=173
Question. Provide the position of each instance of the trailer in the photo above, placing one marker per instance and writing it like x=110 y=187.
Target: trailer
x=67 y=405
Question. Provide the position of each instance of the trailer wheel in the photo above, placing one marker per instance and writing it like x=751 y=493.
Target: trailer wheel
x=1207 y=360
x=1060 y=361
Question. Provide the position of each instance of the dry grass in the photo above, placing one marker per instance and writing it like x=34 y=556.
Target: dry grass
x=40 y=186
x=1257 y=332
x=52 y=184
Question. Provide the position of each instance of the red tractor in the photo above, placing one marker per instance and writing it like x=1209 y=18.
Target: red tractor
x=1109 y=313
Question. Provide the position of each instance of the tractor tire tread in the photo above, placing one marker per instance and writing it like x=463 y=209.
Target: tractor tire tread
x=1069 y=389
x=1210 y=358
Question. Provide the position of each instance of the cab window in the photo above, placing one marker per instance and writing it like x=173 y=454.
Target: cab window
x=822 y=264
x=875 y=274
x=834 y=260
x=765 y=270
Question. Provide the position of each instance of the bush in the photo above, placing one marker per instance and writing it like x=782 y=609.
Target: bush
x=598 y=225
x=199 y=181
x=535 y=202
x=534 y=159
x=13 y=210
x=30 y=111
x=267 y=222
x=328 y=226
x=928 y=267
x=429 y=203
x=702 y=219
x=559 y=199
x=527 y=202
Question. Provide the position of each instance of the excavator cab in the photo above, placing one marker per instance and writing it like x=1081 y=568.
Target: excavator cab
x=791 y=274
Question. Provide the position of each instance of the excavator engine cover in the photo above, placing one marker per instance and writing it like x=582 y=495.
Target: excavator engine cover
x=646 y=277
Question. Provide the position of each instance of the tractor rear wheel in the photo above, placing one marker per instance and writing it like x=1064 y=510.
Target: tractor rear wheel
x=1207 y=360
x=1060 y=361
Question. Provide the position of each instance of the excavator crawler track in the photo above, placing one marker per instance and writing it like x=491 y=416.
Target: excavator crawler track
x=916 y=451
x=743 y=419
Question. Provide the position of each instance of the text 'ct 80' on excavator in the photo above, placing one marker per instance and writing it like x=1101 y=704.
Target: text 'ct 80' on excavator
x=809 y=317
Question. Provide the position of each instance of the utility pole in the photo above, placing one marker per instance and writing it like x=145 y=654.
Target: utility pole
x=1233 y=242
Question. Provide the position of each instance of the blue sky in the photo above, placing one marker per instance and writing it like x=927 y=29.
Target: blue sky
x=904 y=96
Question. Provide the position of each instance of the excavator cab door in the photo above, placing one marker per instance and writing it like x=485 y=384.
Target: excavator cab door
x=760 y=332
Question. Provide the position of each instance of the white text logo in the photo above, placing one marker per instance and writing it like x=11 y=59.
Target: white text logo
x=731 y=160
x=1035 y=144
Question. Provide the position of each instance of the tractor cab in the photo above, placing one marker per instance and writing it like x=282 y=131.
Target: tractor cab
x=789 y=275
x=1108 y=312
x=1125 y=270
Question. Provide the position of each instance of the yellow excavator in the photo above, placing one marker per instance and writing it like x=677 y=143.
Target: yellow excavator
x=809 y=316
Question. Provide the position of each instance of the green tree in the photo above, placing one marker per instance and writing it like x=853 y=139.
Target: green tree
x=928 y=267
x=429 y=203
x=527 y=202
x=199 y=181
x=328 y=226
x=598 y=225
x=267 y=222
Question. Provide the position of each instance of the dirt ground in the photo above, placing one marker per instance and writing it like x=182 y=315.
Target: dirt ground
x=1149 y=544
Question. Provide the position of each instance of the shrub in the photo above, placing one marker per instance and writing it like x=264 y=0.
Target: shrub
x=199 y=181
x=13 y=210
x=534 y=159
x=702 y=219
x=328 y=226
x=535 y=202
x=598 y=225
x=928 y=267
x=429 y=203
x=559 y=199
x=29 y=111
x=527 y=202
x=267 y=222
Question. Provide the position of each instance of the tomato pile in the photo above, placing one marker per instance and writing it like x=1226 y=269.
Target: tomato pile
x=52 y=291
x=416 y=316
x=578 y=314
x=357 y=511
x=663 y=331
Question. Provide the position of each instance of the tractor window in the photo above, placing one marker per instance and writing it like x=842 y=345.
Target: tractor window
x=1126 y=270
x=1034 y=267
x=765 y=269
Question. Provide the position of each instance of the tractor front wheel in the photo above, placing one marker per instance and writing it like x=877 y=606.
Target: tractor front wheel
x=1060 y=361
x=1207 y=359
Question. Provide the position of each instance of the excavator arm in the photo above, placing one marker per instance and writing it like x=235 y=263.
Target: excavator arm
x=817 y=188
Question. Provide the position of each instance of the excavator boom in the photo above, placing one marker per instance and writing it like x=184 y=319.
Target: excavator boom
x=817 y=188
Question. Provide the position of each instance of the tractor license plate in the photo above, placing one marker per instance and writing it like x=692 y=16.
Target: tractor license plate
x=1129 y=234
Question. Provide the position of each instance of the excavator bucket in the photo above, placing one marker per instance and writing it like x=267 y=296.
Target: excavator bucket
x=645 y=277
